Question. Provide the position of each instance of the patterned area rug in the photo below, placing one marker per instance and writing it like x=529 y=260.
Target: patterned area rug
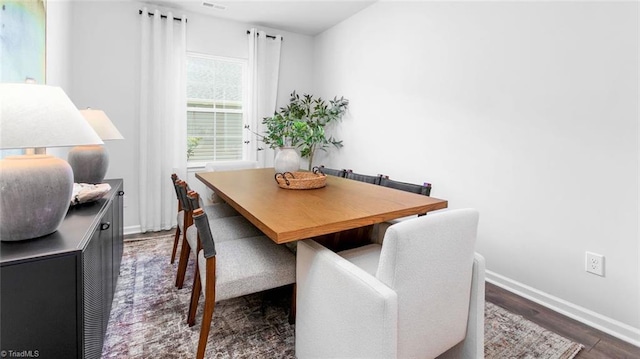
x=148 y=318
x=507 y=335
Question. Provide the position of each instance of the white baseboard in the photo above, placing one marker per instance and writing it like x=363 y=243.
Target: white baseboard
x=605 y=324
x=132 y=230
x=137 y=229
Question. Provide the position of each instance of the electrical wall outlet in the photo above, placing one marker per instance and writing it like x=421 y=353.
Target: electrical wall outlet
x=594 y=263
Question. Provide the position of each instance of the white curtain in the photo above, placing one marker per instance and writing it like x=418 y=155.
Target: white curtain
x=264 y=67
x=163 y=122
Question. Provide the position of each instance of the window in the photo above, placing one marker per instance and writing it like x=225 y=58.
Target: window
x=215 y=118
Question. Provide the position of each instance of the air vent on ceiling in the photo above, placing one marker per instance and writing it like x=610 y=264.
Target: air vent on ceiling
x=214 y=6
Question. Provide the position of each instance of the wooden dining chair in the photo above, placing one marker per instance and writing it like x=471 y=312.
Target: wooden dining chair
x=180 y=218
x=217 y=210
x=224 y=229
x=235 y=268
x=185 y=220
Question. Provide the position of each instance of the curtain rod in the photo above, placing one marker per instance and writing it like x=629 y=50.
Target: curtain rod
x=268 y=36
x=162 y=16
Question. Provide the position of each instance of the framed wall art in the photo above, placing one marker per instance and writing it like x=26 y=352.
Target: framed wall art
x=22 y=41
x=22 y=44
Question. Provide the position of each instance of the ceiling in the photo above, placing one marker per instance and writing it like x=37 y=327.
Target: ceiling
x=307 y=17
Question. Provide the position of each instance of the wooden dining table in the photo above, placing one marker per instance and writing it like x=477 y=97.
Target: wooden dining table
x=287 y=215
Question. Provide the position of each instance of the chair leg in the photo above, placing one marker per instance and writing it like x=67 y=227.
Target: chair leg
x=176 y=239
x=195 y=296
x=209 y=306
x=182 y=262
x=292 y=309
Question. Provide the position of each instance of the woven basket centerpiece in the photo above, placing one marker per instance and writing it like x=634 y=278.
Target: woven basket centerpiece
x=301 y=180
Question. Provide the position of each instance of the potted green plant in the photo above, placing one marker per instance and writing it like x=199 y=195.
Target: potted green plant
x=301 y=124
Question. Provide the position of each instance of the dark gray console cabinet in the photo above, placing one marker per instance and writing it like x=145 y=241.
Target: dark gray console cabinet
x=56 y=291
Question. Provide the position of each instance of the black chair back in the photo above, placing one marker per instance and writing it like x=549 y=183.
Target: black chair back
x=194 y=200
x=174 y=180
x=204 y=233
x=363 y=178
x=182 y=191
x=333 y=172
x=424 y=189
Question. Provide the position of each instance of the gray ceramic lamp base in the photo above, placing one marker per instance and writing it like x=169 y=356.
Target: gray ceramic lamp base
x=35 y=193
x=89 y=163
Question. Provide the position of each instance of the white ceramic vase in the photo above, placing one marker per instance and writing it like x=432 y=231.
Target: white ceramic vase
x=287 y=160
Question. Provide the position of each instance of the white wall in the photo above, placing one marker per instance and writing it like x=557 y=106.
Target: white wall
x=525 y=111
x=104 y=60
x=58 y=53
x=58 y=61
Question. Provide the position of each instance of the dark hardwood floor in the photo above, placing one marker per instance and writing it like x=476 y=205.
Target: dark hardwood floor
x=596 y=343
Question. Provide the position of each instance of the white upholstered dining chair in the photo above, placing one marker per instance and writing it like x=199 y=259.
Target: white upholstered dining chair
x=418 y=295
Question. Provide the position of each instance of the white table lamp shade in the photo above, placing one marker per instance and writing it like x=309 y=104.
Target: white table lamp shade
x=101 y=123
x=35 y=190
x=34 y=116
x=90 y=163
